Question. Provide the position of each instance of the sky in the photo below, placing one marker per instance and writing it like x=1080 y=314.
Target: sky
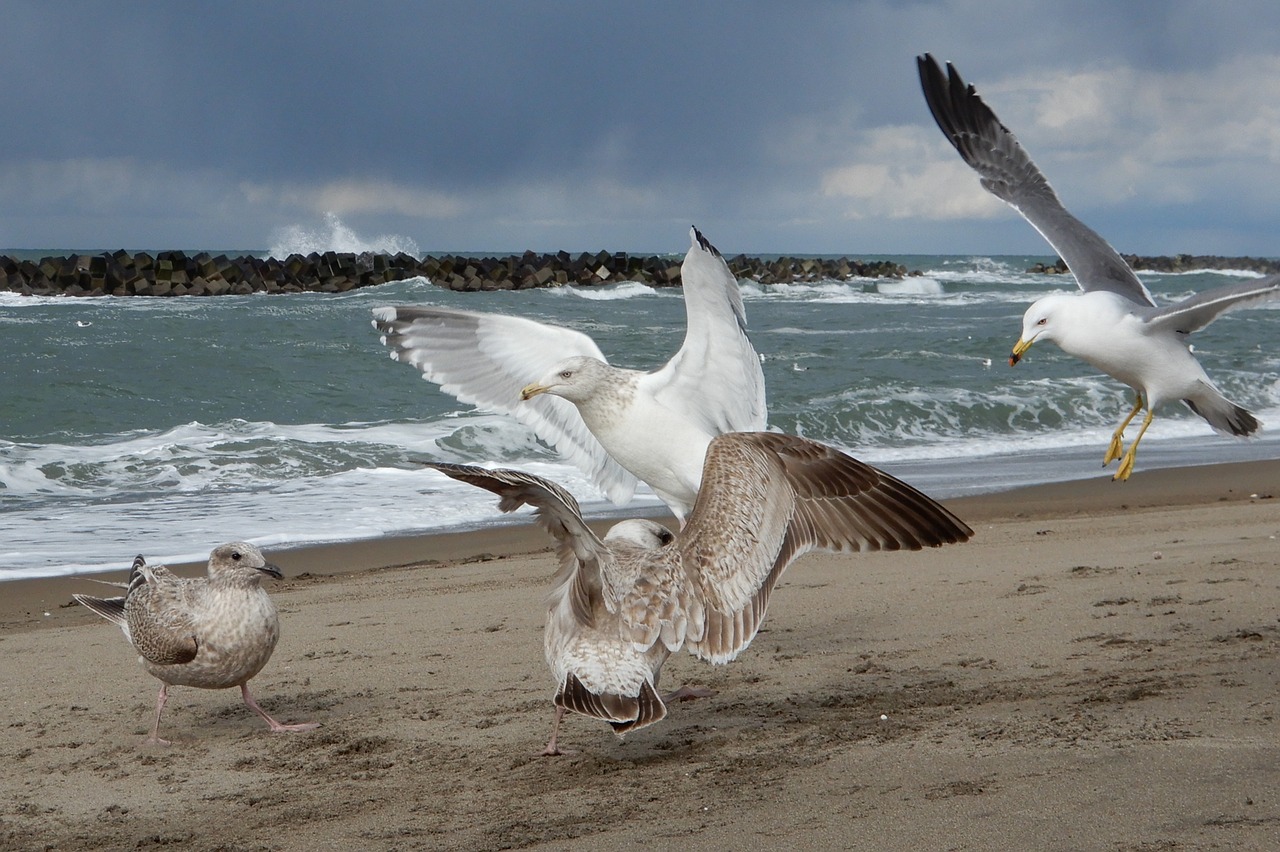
x=505 y=126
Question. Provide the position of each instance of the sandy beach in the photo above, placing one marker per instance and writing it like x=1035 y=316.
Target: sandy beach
x=1097 y=669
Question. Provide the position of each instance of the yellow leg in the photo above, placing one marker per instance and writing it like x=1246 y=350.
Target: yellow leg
x=1117 y=439
x=1126 y=464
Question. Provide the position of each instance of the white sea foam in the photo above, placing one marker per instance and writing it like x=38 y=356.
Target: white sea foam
x=925 y=289
x=268 y=484
x=897 y=379
x=915 y=286
x=608 y=292
x=1227 y=273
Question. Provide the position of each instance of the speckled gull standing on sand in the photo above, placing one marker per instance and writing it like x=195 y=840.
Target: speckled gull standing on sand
x=1114 y=324
x=617 y=425
x=213 y=632
x=620 y=606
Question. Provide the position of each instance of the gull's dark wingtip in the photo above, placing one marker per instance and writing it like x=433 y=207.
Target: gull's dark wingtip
x=703 y=242
x=937 y=92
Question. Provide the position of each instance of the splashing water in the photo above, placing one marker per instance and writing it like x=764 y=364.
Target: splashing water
x=336 y=236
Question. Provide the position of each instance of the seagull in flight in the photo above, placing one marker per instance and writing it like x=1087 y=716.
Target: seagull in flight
x=1114 y=324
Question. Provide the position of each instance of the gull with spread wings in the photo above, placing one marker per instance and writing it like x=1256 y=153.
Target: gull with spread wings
x=1114 y=324
x=615 y=424
x=623 y=604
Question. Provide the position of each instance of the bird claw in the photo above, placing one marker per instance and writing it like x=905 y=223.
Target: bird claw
x=1126 y=468
x=1115 y=451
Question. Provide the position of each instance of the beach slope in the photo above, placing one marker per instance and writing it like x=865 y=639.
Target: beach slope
x=1097 y=669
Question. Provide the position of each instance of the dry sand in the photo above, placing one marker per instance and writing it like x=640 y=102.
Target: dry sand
x=1097 y=669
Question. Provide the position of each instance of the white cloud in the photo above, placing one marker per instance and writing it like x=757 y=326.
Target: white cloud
x=1102 y=136
x=902 y=173
x=1120 y=132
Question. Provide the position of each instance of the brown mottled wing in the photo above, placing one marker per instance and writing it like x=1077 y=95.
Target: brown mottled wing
x=843 y=504
x=767 y=499
x=624 y=713
x=646 y=588
x=159 y=616
x=580 y=550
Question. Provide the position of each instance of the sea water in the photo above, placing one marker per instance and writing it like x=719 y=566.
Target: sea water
x=167 y=426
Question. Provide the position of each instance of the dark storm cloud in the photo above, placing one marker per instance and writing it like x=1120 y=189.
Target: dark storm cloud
x=537 y=124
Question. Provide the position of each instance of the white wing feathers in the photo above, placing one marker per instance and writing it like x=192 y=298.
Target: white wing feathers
x=1195 y=312
x=485 y=359
x=717 y=371
x=714 y=380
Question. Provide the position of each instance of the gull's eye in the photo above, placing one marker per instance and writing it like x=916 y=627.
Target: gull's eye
x=1042 y=321
x=566 y=374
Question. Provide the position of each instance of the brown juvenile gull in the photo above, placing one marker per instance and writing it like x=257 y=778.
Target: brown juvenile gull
x=617 y=425
x=1114 y=324
x=621 y=605
x=213 y=632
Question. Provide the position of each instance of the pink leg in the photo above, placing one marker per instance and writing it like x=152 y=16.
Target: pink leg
x=553 y=750
x=688 y=693
x=154 y=739
x=276 y=727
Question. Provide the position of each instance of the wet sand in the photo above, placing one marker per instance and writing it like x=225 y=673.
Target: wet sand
x=1097 y=669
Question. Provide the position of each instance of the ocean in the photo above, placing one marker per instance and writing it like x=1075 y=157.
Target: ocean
x=167 y=426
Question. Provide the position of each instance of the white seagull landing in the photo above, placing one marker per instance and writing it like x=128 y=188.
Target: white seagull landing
x=622 y=604
x=617 y=425
x=1114 y=324
x=213 y=632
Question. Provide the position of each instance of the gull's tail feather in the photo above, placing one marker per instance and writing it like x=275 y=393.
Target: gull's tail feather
x=624 y=713
x=1223 y=414
x=112 y=609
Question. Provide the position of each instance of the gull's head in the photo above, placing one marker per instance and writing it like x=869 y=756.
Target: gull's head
x=576 y=379
x=1038 y=323
x=239 y=561
x=650 y=535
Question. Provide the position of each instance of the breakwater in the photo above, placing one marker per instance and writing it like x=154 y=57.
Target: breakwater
x=1178 y=263
x=175 y=273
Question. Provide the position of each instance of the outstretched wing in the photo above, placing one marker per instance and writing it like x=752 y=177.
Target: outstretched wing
x=485 y=359
x=1008 y=173
x=715 y=377
x=767 y=499
x=581 y=551
x=1196 y=312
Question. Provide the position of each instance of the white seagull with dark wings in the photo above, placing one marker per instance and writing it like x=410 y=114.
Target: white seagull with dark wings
x=617 y=425
x=212 y=632
x=622 y=604
x=1114 y=324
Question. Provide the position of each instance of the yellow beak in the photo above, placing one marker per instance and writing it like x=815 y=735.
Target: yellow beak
x=1018 y=349
x=530 y=391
